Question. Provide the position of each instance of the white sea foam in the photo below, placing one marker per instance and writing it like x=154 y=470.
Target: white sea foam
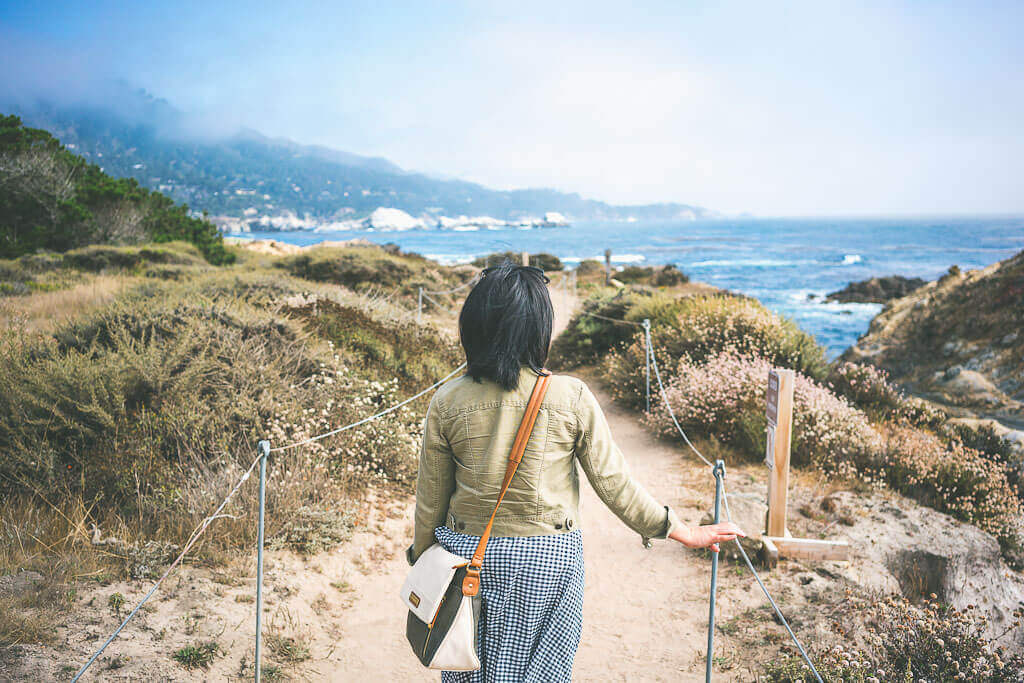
x=850 y=259
x=451 y=259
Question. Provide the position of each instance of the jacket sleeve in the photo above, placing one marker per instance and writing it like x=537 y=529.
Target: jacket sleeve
x=608 y=472
x=435 y=483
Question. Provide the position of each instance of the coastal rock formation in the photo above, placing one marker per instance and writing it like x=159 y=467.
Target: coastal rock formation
x=276 y=248
x=392 y=219
x=957 y=341
x=877 y=290
x=898 y=546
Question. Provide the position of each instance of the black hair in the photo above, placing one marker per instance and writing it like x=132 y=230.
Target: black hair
x=505 y=323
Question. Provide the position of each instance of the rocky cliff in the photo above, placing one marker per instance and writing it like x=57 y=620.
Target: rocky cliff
x=958 y=341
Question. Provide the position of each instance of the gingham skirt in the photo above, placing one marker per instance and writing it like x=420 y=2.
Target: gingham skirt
x=532 y=607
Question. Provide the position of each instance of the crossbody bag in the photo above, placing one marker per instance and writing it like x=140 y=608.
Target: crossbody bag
x=442 y=589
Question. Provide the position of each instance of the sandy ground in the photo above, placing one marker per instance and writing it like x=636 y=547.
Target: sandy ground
x=645 y=614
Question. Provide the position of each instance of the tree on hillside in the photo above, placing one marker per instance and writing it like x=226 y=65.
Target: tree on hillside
x=54 y=200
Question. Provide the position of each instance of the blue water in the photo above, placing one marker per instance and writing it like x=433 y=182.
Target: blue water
x=778 y=261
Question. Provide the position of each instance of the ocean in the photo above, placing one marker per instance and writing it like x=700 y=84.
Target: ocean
x=780 y=261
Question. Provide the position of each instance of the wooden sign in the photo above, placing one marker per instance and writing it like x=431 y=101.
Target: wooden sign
x=780 y=426
x=772 y=402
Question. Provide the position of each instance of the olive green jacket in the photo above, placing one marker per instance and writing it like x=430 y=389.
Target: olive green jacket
x=467 y=436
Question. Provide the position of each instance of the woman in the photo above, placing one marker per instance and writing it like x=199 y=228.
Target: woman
x=532 y=576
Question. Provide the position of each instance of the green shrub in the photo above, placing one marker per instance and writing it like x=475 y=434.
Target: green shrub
x=869 y=388
x=35 y=273
x=313 y=531
x=153 y=404
x=669 y=276
x=657 y=276
x=589 y=267
x=589 y=339
x=709 y=325
x=97 y=258
x=199 y=655
x=163 y=376
x=387 y=348
x=548 y=262
x=371 y=267
x=687 y=328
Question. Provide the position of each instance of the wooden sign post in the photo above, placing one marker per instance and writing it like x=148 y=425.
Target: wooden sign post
x=778 y=541
x=780 y=435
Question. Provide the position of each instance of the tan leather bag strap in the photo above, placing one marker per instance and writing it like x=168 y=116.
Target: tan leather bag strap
x=471 y=583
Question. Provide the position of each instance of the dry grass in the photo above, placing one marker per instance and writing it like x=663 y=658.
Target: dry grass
x=43 y=311
x=166 y=385
x=287 y=641
x=45 y=547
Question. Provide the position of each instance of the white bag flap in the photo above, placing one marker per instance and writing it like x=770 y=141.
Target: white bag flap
x=428 y=580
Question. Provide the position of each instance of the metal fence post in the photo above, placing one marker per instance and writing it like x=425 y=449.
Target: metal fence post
x=719 y=474
x=648 y=350
x=264 y=450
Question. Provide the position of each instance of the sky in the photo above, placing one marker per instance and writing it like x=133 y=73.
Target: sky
x=795 y=108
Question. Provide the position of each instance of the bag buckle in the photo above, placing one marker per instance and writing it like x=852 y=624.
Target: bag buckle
x=471 y=582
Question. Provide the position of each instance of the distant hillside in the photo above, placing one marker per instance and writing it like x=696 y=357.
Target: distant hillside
x=136 y=135
x=54 y=200
x=959 y=340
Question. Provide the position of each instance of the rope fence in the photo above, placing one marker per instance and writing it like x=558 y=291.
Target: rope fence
x=382 y=413
x=612 y=320
x=721 y=498
x=264 y=452
x=426 y=294
x=196 y=533
x=264 y=449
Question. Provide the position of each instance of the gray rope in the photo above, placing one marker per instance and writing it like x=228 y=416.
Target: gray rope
x=778 y=612
x=668 y=405
x=196 y=533
x=372 y=417
x=728 y=514
x=611 y=320
x=472 y=281
x=434 y=301
x=217 y=513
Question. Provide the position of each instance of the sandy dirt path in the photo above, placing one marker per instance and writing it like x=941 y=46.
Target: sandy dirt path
x=645 y=611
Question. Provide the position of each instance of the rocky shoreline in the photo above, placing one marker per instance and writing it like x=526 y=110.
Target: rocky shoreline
x=957 y=342
x=876 y=290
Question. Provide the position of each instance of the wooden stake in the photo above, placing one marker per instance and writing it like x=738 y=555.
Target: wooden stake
x=778 y=480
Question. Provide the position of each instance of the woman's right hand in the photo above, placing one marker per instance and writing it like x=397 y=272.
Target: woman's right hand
x=709 y=535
